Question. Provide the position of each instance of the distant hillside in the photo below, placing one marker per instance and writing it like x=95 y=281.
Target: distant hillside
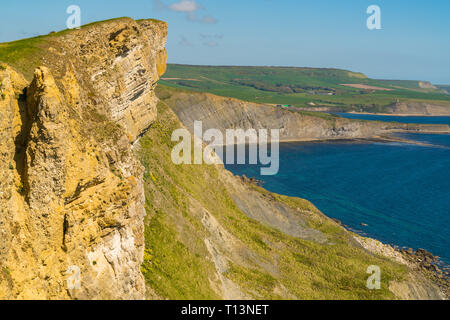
x=409 y=84
x=303 y=87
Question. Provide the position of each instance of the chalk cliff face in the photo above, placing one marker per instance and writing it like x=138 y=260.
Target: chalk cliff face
x=228 y=113
x=71 y=196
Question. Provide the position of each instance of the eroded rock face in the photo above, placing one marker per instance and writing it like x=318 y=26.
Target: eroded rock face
x=228 y=113
x=121 y=61
x=71 y=196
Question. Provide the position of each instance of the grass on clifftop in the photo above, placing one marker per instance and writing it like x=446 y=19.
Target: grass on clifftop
x=24 y=55
x=178 y=264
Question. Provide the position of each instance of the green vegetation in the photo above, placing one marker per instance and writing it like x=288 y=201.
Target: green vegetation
x=178 y=264
x=323 y=115
x=409 y=84
x=20 y=189
x=152 y=20
x=24 y=55
x=175 y=264
x=170 y=267
x=302 y=87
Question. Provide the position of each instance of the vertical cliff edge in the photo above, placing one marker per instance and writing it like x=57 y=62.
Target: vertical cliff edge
x=71 y=189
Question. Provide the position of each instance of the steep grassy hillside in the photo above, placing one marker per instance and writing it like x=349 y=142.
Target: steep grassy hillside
x=201 y=242
x=303 y=87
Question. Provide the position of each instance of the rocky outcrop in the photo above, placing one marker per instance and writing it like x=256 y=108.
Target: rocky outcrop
x=417 y=287
x=424 y=281
x=426 y=85
x=71 y=196
x=264 y=208
x=228 y=113
x=118 y=64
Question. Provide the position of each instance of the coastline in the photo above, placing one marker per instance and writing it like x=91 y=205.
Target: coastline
x=372 y=139
x=382 y=139
x=422 y=265
x=399 y=114
x=432 y=271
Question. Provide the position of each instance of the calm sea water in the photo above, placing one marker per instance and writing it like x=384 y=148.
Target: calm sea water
x=401 y=191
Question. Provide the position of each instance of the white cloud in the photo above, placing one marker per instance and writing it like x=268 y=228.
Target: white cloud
x=185 y=6
x=188 y=7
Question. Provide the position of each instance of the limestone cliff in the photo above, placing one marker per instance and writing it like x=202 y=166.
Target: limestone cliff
x=71 y=195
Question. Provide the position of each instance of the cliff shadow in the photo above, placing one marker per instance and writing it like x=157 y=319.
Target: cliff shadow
x=21 y=143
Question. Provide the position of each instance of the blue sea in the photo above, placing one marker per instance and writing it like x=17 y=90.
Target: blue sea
x=401 y=191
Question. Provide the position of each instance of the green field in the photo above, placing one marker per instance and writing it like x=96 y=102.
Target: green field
x=302 y=87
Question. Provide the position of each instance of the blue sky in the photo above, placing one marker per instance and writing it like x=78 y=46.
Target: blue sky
x=414 y=42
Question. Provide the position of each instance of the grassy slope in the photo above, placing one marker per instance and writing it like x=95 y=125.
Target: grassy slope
x=177 y=263
x=293 y=86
